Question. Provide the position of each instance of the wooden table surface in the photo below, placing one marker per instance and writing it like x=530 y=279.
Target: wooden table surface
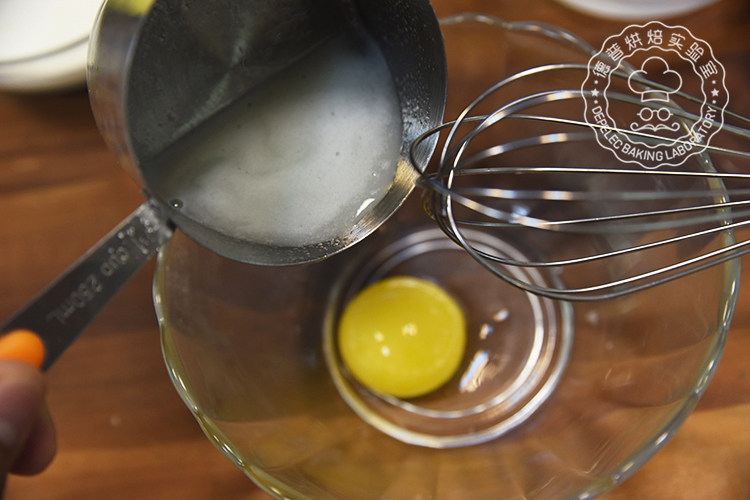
x=124 y=433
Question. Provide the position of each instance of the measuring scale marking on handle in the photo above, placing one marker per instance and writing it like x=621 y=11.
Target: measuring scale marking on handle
x=62 y=310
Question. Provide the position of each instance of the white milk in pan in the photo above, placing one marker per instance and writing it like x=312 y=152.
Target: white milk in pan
x=297 y=161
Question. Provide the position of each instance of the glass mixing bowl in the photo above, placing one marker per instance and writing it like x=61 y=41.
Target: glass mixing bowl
x=552 y=399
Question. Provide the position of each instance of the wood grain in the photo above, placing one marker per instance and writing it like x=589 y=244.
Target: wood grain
x=123 y=431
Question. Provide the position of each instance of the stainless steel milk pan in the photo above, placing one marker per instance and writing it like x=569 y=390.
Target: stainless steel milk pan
x=158 y=69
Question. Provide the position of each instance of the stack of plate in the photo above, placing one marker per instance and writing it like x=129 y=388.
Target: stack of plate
x=43 y=43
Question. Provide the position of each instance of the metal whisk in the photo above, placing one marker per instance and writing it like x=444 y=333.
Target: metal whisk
x=589 y=222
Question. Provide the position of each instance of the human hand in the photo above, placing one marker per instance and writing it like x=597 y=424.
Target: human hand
x=27 y=435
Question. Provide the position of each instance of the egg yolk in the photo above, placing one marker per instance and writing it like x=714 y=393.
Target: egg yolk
x=402 y=336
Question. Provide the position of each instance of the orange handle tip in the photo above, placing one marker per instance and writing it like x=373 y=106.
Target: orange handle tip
x=22 y=345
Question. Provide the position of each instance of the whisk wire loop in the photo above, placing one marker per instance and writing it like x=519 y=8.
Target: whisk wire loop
x=533 y=172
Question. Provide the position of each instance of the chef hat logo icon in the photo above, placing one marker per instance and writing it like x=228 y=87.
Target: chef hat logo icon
x=655 y=69
x=637 y=95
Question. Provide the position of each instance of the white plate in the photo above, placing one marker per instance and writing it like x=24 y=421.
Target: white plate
x=636 y=10
x=43 y=43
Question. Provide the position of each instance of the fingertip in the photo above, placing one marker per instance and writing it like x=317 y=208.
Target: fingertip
x=28 y=442
x=21 y=401
x=16 y=372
